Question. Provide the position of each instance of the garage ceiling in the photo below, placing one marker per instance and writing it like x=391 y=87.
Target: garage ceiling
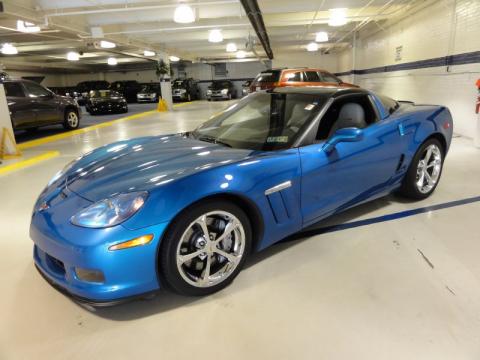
x=138 y=25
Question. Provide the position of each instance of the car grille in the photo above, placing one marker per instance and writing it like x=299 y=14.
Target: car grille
x=55 y=265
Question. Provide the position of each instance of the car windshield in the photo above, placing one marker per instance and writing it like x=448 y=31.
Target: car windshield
x=218 y=85
x=103 y=94
x=149 y=88
x=178 y=84
x=262 y=121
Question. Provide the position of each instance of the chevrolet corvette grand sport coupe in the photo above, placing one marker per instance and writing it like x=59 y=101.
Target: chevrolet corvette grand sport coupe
x=184 y=211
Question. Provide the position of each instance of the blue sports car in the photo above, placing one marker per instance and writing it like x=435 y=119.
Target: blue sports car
x=184 y=211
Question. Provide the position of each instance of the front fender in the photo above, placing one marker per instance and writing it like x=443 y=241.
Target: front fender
x=249 y=179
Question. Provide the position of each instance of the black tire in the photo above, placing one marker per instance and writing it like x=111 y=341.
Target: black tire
x=169 y=272
x=409 y=188
x=67 y=121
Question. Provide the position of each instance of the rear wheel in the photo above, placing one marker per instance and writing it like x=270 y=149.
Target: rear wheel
x=205 y=248
x=71 y=120
x=424 y=172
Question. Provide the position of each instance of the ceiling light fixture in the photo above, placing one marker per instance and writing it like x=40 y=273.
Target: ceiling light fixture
x=321 y=36
x=173 y=58
x=112 y=61
x=215 y=36
x=9 y=49
x=241 y=54
x=149 y=53
x=73 y=56
x=231 y=47
x=338 y=17
x=27 y=27
x=184 y=14
x=107 y=44
x=313 y=46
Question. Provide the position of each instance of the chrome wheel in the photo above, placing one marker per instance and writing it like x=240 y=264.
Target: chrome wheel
x=428 y=169
x=210 y=249
x=72 y=119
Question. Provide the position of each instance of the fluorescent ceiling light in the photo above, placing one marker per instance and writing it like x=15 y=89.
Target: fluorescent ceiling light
x=231 y=47
x=241 y=54
x=338 y=17
x=184 y=14
x=321 y=36
x=107 y=44
x=149 y=53
x=9 y=49
x=215 y=36
x=313 y=46
x=112 y=61
x=173 y=58
x=28 y=27
x=73 y=56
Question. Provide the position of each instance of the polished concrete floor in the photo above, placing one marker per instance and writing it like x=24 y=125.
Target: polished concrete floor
x=407 y=288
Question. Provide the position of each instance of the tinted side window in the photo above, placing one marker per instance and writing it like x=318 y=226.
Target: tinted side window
x=329 y=77
x=35 y=90
x=297 y=76
x=312 y=76
x=14 y=89
x=390 y=105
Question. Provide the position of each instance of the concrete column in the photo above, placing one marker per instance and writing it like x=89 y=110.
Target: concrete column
x=165 y=84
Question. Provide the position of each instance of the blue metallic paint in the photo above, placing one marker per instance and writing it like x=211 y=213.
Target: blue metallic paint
x=178 y=171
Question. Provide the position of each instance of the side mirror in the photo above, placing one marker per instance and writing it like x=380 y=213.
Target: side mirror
x=351 y=134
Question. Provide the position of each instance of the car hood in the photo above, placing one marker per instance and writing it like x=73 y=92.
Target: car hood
x=144 y=164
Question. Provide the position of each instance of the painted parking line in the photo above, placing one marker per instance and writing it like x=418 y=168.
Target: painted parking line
x=48 y=139
x=388 y=217
x=28 y=162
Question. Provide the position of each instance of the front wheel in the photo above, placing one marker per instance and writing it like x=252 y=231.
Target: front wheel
x=71 y=120
x=205 y=248
x=424 y=172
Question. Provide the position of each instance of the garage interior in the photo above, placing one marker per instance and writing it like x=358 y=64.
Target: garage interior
x=390 y=278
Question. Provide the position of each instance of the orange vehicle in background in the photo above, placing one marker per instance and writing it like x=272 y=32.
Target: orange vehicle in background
x=273 y=78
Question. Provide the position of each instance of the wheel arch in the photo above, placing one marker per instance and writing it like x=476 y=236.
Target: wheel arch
x=68 y=108
x=440 y=137
x=251 y=210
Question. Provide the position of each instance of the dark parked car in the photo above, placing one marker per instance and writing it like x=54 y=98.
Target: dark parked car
x=128 y=88
x=83 y=89
x=149 y=93
x=184 y=90
x=221 y=89
x=105 y=102
x=31 y=105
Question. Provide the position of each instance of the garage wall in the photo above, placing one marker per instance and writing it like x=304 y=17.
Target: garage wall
x=304 y=58
x=417 y=71
x=49 y=80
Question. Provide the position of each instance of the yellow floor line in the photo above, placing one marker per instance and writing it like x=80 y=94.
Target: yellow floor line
x=28 y=162
x=48 y=139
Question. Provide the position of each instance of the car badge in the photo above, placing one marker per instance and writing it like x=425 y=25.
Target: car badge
x=44 y=206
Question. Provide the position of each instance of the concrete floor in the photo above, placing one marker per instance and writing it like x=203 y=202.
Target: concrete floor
x=361 y=293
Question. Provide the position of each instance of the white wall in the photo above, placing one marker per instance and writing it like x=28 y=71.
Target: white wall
x=50 y=79
x=426 y=34
x=304 y=58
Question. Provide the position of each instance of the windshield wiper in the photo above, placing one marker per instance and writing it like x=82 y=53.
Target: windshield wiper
x=213 y=140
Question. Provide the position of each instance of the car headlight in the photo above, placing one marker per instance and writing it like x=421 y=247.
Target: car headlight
x=209 y=92
x=153 y=95
x=110 y=212
x=62 y=172
x=224 y=91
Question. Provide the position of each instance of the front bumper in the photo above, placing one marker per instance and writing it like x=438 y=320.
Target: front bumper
x=61 y=248
x=146 y=99
x=218 y=96
x=108 y=107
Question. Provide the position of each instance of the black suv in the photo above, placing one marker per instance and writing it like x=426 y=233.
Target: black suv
x=128 y=88
x=31 y=105
x=184 y=90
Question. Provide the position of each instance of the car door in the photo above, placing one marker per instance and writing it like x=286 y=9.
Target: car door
x=352 y=172
x=21 y=112
x=44 y=103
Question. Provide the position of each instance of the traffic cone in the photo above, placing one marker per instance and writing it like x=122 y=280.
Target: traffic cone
x=162 y=105
x=8 y=146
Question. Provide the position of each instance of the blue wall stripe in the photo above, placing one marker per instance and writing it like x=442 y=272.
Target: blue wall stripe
x=388 y=217
x=459 y=59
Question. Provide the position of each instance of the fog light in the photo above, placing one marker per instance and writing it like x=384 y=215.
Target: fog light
x=89 y=275
x=142 y=240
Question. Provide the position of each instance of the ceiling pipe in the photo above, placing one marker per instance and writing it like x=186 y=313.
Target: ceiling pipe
x=256 y=19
